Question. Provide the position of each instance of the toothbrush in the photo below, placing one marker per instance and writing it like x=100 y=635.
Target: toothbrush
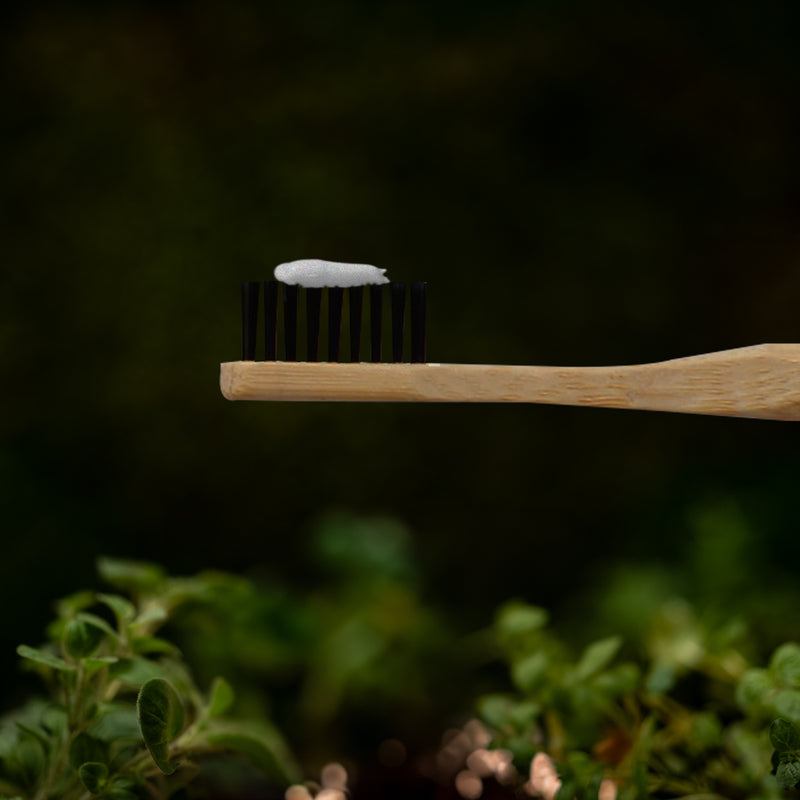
x=761 y=381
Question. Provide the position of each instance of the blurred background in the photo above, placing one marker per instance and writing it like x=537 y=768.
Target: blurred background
x=579 y=183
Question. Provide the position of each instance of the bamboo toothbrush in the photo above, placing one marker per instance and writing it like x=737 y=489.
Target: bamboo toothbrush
x=762 y=381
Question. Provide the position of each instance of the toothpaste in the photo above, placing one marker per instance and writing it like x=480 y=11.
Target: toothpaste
x=313 y=273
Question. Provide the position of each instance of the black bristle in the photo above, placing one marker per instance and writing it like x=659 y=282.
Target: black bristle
x=271 y=320
x=250 y=292
x=313 y=305
x=376 y=321
x=290 y=322
x=335 y=301
x=355 y=297
x=398 y=319
x=419 y=295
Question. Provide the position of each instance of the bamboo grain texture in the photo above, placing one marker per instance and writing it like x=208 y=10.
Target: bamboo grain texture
x=762 y=381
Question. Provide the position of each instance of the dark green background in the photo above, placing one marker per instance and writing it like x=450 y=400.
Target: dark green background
x=579 y=183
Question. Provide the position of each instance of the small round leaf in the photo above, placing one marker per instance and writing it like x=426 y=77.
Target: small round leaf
x=160 y=713
x=93 y=775
x=86 y=748
x=516 y=618
x=754 y=688
x=137 y=576
x=530 y=671
x=221 y=697
x=787 y=704
x=788 y=773
x=785 y=663
x=81 y=638
x=253 y=749
x=784 y=736
x=123 y=609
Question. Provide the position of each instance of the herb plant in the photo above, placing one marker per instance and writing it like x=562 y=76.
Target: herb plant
x=686 y=718
x=124 y=718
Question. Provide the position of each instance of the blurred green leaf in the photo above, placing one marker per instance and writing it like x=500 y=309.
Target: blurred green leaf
x=119 y=723
x=81 y=638
x=69 y=606
x=160 y=713
x=596 y=657
x=515 y=618
x=619 y=680
x=143 y=645
x=496 y=709
x=94 y=776
x=85 y=748
x=521 y=747
x=221 y=697
x=371 y=548
x=137 y=576
x=787 y=704
x=524 y=714
x=45 y=658
x=754 y=688
x=788 y=772
x=257 y=751
x=528 y=672
x=92 y=665
x=785 y=663
x=154 y=612
x=567 y=791
x=99 y=623
x=33 y=733
x=26 y=763
x=135 y=671
x=705 y=732
x=123 y=609
x=784 y=736
x=122 y=789
x=661 y=678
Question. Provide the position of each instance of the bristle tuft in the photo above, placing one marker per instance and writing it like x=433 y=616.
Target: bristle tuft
x=335 y=301
x=355 y=298
x=398 y=319
x=291 y=316
x=419 y=302
x=290 y=322
x=313 y=305
x=376 y=321
x=250 y=293
x=271 y=320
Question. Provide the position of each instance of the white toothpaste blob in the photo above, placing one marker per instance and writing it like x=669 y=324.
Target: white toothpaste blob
x=313 y=273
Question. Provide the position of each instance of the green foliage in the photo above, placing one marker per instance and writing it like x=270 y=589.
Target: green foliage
x=251 y=746
x=221 y=697
x=81 y=638
x=785 y=738
x=677 y=711
x=358 y=643
x=44 y=658
x=94 y=776
x=620 y=711
x=160 y=714
x=124 y=714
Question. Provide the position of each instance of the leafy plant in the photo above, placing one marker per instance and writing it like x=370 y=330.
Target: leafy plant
x=681 y=716
x=353 y=657
x=785 y=738
x=124 y=715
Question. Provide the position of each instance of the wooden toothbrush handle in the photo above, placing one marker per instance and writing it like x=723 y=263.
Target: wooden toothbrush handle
x=762 y=381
